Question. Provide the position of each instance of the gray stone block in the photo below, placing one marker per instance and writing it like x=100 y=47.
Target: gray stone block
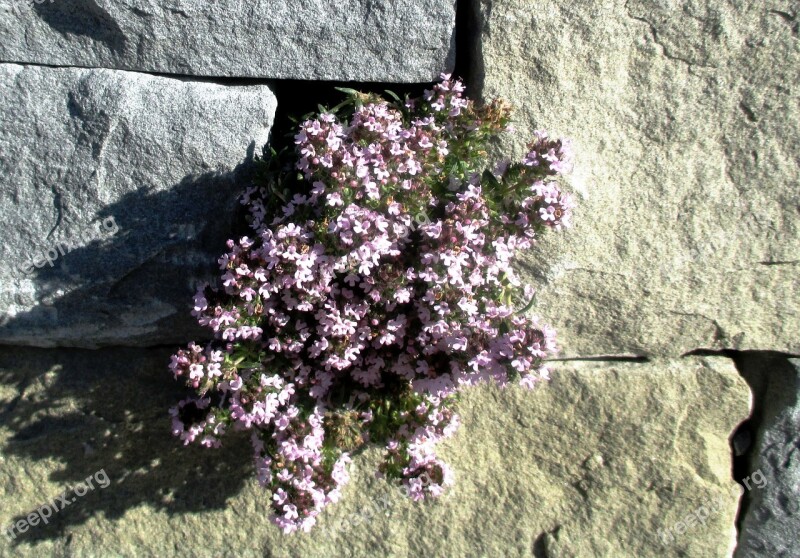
x=361 y=40
x=117 y=191
x=772 y=520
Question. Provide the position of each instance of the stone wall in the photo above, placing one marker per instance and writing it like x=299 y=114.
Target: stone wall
x=127 y=130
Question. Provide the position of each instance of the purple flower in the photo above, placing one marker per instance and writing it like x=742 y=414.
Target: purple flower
x=372 y=297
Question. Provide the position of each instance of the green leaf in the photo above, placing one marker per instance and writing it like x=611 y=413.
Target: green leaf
x=490 y=179
x=527 y=306
x=343 y=104
x=347 y=91
x=394 y=96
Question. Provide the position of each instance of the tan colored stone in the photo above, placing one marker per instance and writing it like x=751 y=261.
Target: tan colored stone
x=687 y=175
x=593 y=464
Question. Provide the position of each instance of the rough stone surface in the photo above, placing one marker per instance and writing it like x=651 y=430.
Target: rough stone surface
x=595 y=463
x=772 y=520
x=684 y=114
x=362 y=40
x=152 y=161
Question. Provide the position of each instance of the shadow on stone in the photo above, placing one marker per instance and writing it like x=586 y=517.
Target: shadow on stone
x=769 y=515
x=107 y=410
x=132 y=284
x=75 y=412
x=83 y=18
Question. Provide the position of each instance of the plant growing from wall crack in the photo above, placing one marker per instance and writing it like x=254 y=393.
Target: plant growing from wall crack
x=375 y=285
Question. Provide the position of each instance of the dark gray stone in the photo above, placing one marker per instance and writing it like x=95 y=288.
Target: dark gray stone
x=117 y=191
x=771 y=525
x=362 y=40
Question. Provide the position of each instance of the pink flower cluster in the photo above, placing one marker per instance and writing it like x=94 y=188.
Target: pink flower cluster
x=357 y=309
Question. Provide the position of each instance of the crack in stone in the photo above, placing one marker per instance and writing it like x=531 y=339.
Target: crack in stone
x=599 y=272
x=541 y=544
x=748 y=112
x=664 y=50
x=678 y=426
x=789 y=19
x=719 y=332
x=59 y=207
x=176 y=12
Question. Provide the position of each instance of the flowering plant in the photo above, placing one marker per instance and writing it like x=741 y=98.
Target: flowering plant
x=375 y=285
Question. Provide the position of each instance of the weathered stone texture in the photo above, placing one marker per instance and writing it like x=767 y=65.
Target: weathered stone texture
x=361 y=40
x=127 y=181
x=772 y=522
x=687 y=175
x=596 y=463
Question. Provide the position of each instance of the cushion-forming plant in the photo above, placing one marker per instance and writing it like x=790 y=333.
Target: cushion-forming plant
x=375 y=285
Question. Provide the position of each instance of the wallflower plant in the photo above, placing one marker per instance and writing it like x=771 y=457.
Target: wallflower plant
x=375 y=285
